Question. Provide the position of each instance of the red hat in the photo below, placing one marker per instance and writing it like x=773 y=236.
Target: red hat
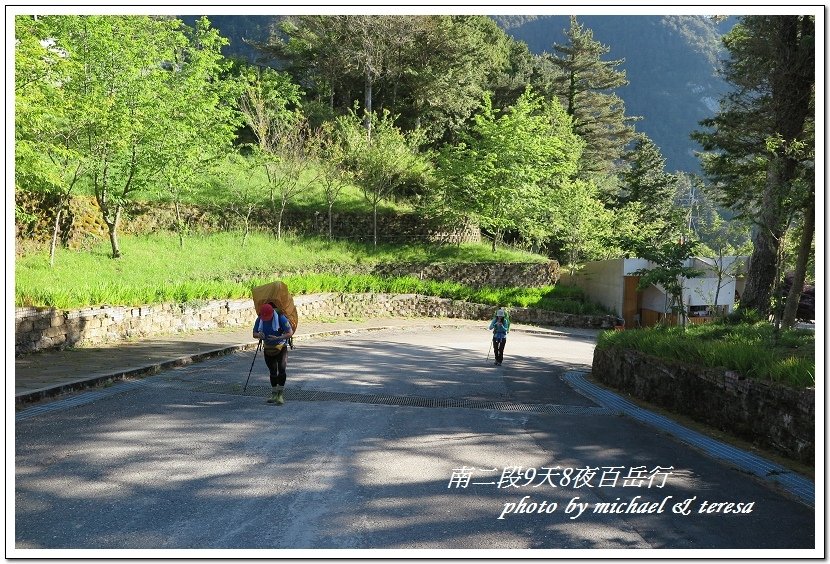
x=266 y=312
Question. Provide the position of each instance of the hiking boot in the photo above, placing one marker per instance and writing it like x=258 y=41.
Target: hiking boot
x=275 y=398
x=279 y=399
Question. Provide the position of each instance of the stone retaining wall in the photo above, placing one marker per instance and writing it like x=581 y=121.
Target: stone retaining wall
x=83 y=225
x=41 y=329
x=768 y=414
x=499 y=275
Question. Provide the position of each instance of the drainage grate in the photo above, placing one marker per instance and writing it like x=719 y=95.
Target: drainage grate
x=801 y=487
x=382 y=399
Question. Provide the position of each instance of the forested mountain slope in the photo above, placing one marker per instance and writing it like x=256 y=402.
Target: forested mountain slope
x=670 y=62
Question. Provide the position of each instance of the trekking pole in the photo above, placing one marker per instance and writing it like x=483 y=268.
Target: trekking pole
x=488 y=350
x=259 y=344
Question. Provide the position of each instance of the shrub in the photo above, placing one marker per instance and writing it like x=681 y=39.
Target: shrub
x=754 y=350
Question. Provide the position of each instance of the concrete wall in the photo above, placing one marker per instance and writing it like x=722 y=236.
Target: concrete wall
x=653 y=299
x=768 y=414
x=602 y=282
x=41 y=329
x=702 y=291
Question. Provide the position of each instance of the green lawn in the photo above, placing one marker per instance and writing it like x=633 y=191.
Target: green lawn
x=155 y=269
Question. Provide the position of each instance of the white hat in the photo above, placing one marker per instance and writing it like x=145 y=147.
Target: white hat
x=500 y=313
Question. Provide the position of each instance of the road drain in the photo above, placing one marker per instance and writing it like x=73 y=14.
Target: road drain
x=382 y=399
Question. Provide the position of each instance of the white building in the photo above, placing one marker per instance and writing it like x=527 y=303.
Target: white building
x=613 y=283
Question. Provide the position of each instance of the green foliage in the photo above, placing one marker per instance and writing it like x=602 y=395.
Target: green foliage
x=381 y=158
x=759 y=146
x=645 y=180
x=214 y=266
x=430 y=70
x=751 y=349
x=669 y=269
x=586 y=87
x=500 y=172
x=580 y=224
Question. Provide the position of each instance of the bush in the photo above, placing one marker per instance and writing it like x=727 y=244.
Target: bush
x=754 y=350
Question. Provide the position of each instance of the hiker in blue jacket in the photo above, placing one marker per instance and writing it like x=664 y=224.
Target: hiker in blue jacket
x=274 y=330
x=499 y=326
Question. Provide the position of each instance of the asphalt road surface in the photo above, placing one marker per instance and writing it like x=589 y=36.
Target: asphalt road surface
x=403 y=439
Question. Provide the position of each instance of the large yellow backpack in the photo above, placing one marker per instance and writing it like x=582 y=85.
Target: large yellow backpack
x=277 y=293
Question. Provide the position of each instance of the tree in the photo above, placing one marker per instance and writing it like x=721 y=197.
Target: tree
x=645 y=180
x=499 y=169
x=586 y=88
x=45 y=136
x=581 y=224
x=793 y=298
x=669 y=271
x=119 y=84
x=431 y=71
x=720 y=240
x=381 y=161
x=281 y=133
x=756 y=143
x=242 y=195
x=200 y=112
x=334 y=174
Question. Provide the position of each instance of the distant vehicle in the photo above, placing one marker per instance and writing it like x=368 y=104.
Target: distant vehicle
x=807 y=304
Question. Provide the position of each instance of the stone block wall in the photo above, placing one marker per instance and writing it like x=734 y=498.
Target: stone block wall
x=82 y=225
x=501 y=275
x=45 y=328
x=768 y=414
x=42 y=329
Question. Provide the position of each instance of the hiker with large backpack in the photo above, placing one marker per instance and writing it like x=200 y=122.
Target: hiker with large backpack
x=274 y=330
x=499 y=326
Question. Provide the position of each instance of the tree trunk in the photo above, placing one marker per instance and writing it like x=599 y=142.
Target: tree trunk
x=112 y=228
x=375 y=222
x=179 y=226
x=54 y=239
x=330 y=206
x=791 y=86
x=794 y=296
x=766 y=240
x=368 y=102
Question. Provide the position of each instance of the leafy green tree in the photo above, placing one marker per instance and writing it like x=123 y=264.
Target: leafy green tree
x=240 y=196
x=451 y=62
x=268 y=104
x=201 y=114
x=669 y=271
x=335 y=175
x=581 y=223
x=431 y=71
x=118 y=85
x=500 y=168
x=759 y=142
x=586 y=88
x=45 y=136
x=381 y=161
x=719 y=240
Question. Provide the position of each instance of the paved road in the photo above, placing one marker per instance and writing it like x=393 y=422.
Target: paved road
x=402 y=439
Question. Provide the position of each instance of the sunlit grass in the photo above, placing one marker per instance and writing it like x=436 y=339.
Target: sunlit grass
x=752 y=350
x=155 y=269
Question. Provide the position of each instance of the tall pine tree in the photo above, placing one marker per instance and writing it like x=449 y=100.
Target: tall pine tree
x=586 y=90
x=646 y=180
x=759 y=143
